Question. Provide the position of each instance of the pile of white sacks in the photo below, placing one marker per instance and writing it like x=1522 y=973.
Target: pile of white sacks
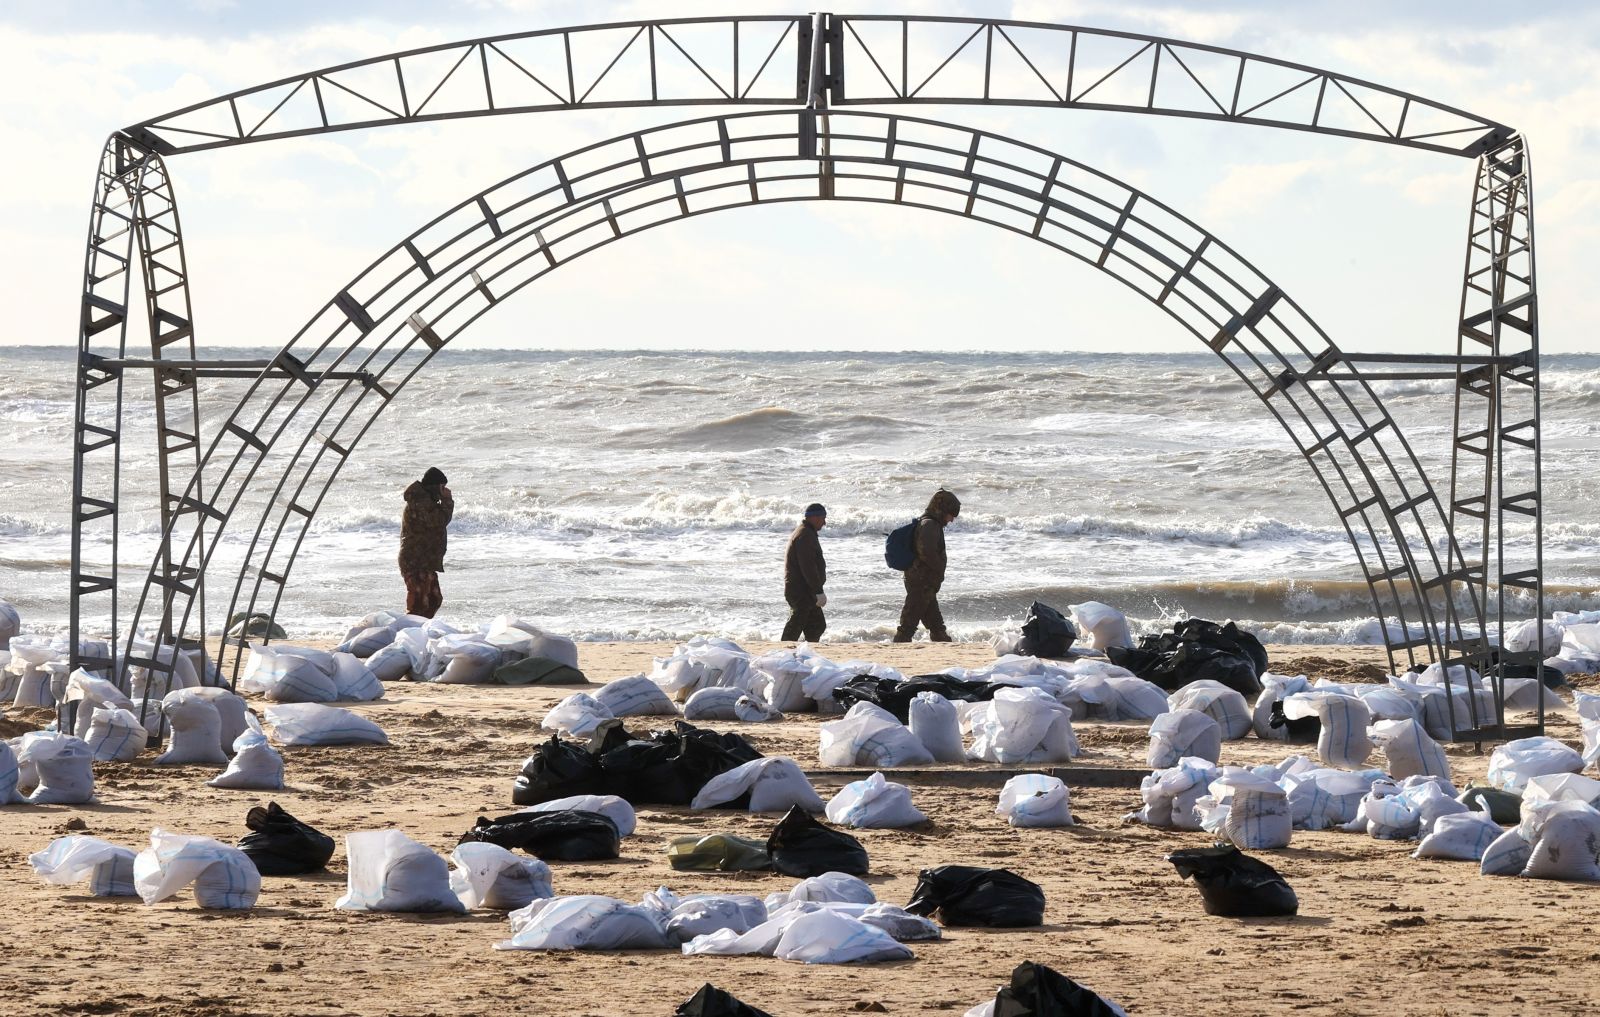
x=1028 y=723
x=1568 y=640
x=1409 y=798
x=398 y=646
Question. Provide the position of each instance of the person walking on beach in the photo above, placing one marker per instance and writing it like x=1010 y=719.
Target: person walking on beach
x=804 y=573
x=429 y=507
x=926 y=573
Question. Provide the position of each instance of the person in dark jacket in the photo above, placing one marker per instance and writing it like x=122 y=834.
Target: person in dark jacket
x=804 y=573
x=429 y=507
x=926 y=573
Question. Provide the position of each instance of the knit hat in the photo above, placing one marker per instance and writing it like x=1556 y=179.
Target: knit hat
x=815 y=509
x=435 y=476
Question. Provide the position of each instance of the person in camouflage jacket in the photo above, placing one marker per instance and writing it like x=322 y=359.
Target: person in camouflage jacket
x=423 y=541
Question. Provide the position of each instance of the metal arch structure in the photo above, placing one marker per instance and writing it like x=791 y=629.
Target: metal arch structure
x=1443 y=568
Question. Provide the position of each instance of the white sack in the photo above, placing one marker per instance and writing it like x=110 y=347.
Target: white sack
x=636 y=696
x=66 y=860
x=353 y=680
x=10 y=623
x=1408 y=751
x=1274 y=687
x=775 y=784
x=1588 y=707
x=255 y=766
x=1533 y=634
x=91 y=693
x=389 y=871
x=391 y=663
x=1511 y=764
x=232 y=714
x=489 y=876
x=579 y=715
x=1321 y=798
x=1568 y=844
x=1506 y=855
x=1183 y=733
x=296 y=724
x=1022 y=726
x=586 y=922
x=1255 y=812
x=289 y=674
x=1462 y=837
x=1170 y=794
x=464 y=659
x=868 y=735
x=1214 y=699
x=780 y=678
x=1033 y=800
x=194 y=730
x=932 y=718
x=873 y=804
x=1343 y=740
x=1101 y=625
x=752 y=709
x=712 y=704
x=223 y=876
x=826 y=888
x=10 y=774
x=704 y=913
x=114 y=735
x=618 y=810
x=826 y=937
x=365 y=642
x=62 y=767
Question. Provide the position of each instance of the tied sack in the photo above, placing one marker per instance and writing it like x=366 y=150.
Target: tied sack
x=636 y=696
x=585 y=922
x=1274 y=689
x=874 y=803
x=1033 y=800
x=1408 y=751
x=62 y=765
x=1248 y=811
x=1183 y=733
x=255 y=766
x=769 y=784
x=223 y=876
x=196 y=730
x=296 y=724
x=114 y=735
x=389 y=871
x=489 y=876
x=69 y=859
x=1217 y=701
x=933 y=719
x=869 y=735
x=1170 y=795
x=1022 y=726
x=1343 y=741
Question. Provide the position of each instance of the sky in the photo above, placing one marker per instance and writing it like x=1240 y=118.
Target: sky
x=1367 y=237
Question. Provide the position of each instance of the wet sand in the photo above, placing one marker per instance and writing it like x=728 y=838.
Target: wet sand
x=1377 y=930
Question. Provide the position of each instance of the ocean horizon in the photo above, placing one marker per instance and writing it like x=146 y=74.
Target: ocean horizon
x=648 y=494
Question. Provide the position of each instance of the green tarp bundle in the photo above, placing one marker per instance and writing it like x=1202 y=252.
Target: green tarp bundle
x=537 y=671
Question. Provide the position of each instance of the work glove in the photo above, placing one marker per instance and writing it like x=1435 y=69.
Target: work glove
x=822 y=600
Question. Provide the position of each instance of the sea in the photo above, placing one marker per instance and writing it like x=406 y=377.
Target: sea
x=648 y=495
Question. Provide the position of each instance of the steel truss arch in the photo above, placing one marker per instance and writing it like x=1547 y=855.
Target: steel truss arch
x=414 y=301
x=803 y=60
x=1441 y=570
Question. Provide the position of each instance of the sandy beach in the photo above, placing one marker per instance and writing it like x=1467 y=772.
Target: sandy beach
x=1377 y=930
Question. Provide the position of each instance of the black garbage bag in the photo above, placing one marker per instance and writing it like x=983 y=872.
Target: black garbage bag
x=558 y=769
x=800 y=846
x=670 y=767
x=969 y=895
x=1039 y=991
x=1046 y=632
x=1234 y=885
x=1197 y=650
x=896 y=694
x=569 y=836
x=1303 y=731
x=711 y=1001
x=281 y=845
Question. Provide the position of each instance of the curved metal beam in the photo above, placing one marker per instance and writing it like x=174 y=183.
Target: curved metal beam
x=351 y=360
x=822 y=59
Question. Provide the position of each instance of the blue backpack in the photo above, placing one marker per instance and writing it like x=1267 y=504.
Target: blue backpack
x=900 y=547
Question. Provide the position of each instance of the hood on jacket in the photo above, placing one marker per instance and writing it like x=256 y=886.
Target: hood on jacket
x=943 y=502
